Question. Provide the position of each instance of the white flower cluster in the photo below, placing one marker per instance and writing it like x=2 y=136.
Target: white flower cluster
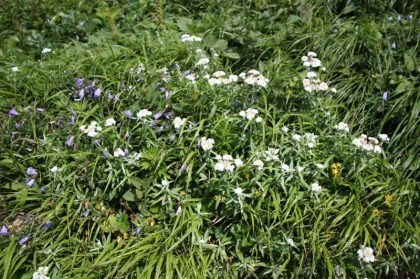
x=192 y=77
x=259 y=164
x=220 y=77
x=203 y=62
x=190 y=38
x=315 y=187
x=139 y=69
x=119 y=153
x=313 y=83
x=253 y=77
x=383 y=137
x=227 y=163
x=366 y=254
x=343 y=127
x=143 y=113
x=249 y=113
x=41 y=273
x=91 y=130
x=271 y=154
x=132 y=158
x=110 y=122
x=368 y=143
x=46 y=50
x=310 y=60
x=178 y=122
x=206 y=143
x=310 y=139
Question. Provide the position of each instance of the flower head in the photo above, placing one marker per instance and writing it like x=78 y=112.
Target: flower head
x=41 y=273
x=110 y=122
x=70 y=141
x=178 y=122
x=15 y=69
x=3 y=231
x=31 y=171
x=143 y=113
x=316 y=188
x=23 y=240
x=206 y=143
x=259 y=164
x=238 y=191
x=13 y=112
x=45 y=50
x=366 y=254
x=342 y=127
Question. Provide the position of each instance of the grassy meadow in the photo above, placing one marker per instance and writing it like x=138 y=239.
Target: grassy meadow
x=209 y=139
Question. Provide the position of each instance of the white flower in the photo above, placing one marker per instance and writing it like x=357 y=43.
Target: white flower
x=259 y=164
x=285 y=167
x=178 y=122
x=333 y=90
x=366 y=254
x=206 y=144
x=219 y=74
x=164 y=183
x=15 y=69
x=41 y=273
x=192 y=77
x=202 y=62
x=54 y=169
x=110 y=122
x=300 y=169
x=316 y=188
x=343 y=127
x=249 y=113
x=178 y=211
x=323 y=86
x=253 y=77
x=233 y=78
x=320 y=166
x=238 y=162
x=290 y=242
x=46 y=50
x=311 y=75
x=224 y=163
x=143 y=113
x=338 y=270
x=323 y=69
x=214 y=81
x=285 y=129
x=383 y=137
x=91 y=130
x=238 y=191
x=377 y=149
x=311 y=54
x=258 y=119
x=271 y=154
x=296 y=137
x=119 y=152
x=190 y=38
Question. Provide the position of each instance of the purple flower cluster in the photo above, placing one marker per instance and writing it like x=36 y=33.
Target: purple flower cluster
x=86 y=89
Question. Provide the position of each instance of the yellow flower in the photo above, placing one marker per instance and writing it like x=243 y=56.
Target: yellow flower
x=389 y=199
x=336 y=170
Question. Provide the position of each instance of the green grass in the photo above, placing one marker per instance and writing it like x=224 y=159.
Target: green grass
x=104 y=216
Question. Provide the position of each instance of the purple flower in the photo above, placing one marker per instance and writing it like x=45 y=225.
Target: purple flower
x=410 y=17
x=97 y=93
x=187 y=72
x=31 y=171
x=86 y=213
x=168 y=115
x=399 y=18
x=29 y=182
x=79 y=82
x=127 y=113
x=152 y=124
x=385 y=96
x=126 y=152
x=70 y=141
x=105 y=155
x=122 y=87
x=81 y=94
x=3 y=231
x=23 y=239
x=158 y=115
x=43 y=189
x=162 y=89
x=47 y=225
x=13 y=112
x=73 y=117
x=138 y=231
x=167 y=94
x=394 y=45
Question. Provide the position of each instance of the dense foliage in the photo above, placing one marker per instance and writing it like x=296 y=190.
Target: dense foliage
x=209 y=139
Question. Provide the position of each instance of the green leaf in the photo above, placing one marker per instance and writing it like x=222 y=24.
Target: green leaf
x=129 y=196
x=184 y=23
x=232 y=55
x=135 y=181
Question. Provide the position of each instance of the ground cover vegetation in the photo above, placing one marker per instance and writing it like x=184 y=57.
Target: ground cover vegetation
x=209 y=139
